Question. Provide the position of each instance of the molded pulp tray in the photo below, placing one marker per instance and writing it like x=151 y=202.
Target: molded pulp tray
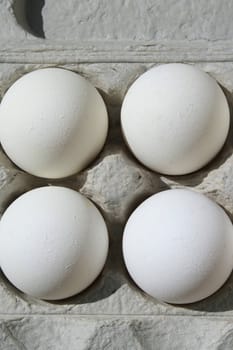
x=111 y=43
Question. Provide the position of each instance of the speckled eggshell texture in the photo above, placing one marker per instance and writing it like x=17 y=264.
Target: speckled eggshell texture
x=53 y=242
x=178 y=246
x=175 y=118
x=53 y=122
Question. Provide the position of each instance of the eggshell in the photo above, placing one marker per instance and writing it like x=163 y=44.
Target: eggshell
x=53 y=242
x=53 y=122
x=175 y=118
x=178 y=246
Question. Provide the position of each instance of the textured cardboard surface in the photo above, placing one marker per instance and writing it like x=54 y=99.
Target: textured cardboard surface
x=111 y=43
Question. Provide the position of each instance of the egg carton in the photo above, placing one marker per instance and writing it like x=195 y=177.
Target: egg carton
x=111 y=43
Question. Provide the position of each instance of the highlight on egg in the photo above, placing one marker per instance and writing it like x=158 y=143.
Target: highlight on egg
x=178 y=246
x=53 y=243
x=175 y=118
x=53 y=122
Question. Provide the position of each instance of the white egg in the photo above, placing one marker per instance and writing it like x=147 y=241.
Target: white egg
x=175 y=118
x=53 y=242
x=178 y=246
x=53 y=122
